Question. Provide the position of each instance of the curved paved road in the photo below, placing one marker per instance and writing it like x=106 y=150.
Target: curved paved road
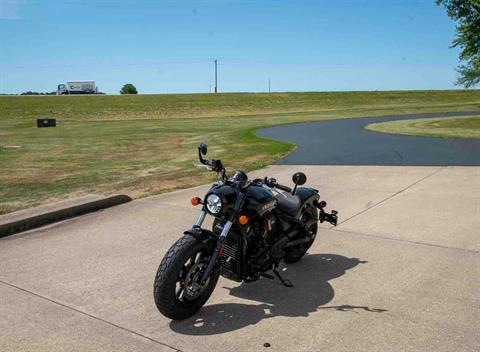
x=346 y=142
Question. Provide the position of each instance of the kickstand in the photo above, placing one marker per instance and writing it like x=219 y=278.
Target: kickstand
x=267 y=276
x=285 y=282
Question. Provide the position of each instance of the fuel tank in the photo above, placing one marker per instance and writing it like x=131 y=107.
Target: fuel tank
x=260 y=199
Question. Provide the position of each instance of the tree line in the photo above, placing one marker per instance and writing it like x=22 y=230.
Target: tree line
x=128 y=88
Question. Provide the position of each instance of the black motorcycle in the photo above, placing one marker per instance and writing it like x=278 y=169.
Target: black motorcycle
x=252 y=232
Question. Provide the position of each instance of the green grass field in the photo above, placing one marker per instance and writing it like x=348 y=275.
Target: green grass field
x=146 y=144
x=459 y=127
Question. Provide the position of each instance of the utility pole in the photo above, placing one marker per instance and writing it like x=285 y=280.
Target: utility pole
x=269 y=90
x=215 y=77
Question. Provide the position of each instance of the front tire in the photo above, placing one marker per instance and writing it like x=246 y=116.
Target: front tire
x=176 y=291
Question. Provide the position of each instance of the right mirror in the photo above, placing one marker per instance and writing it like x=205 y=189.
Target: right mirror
x=299 y=178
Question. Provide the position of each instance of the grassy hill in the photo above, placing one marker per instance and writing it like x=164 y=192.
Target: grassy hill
x=464 y=127
x=230 y=104
x=146 y=144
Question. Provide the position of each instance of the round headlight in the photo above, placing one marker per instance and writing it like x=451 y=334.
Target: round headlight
x=214 y=204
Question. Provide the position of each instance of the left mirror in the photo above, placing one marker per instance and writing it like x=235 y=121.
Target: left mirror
x=203 y=148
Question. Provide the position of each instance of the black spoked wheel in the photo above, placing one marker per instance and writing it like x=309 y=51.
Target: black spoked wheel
x=294 y=254
x=177 y=290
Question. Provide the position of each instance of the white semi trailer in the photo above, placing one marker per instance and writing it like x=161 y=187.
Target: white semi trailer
x=77 y=87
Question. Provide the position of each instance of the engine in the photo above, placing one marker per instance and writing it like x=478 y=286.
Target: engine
x=263 y=235
x=263 y=248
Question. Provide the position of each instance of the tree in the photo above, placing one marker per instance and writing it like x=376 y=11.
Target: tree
x=467 y=15
x=128 y=89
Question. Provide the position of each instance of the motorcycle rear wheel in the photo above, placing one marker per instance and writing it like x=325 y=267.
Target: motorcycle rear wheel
x=176 y=290
x=296 y=253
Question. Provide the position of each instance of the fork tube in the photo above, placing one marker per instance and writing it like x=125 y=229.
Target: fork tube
x=216 y=252
x=225 y=230
x=200 y=219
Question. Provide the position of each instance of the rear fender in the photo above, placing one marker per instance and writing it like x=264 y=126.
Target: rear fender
x=307 y=196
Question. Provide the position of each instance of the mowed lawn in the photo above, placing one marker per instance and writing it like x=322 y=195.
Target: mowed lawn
x=458 y=127
x=146 y=144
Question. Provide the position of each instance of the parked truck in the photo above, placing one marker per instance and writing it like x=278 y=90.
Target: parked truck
x=77 y=87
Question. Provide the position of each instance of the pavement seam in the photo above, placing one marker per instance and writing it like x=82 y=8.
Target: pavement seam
x=408 y=241
x=391 y=196
x=90 y=315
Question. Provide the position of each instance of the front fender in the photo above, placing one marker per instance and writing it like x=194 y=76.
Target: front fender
x=201 y=234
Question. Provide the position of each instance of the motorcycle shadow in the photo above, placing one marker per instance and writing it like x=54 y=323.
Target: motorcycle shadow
x=311 y=290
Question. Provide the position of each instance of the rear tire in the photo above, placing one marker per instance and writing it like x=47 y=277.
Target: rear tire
x=296 y=253
x=168 y=280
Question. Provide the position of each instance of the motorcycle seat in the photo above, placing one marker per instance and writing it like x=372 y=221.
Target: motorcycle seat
x=288 y=203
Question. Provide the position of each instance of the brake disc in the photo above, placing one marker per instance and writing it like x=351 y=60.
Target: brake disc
x=193 y=288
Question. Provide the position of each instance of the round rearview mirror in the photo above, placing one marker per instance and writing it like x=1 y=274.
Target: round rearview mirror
x=203 y=148
x=299 y=178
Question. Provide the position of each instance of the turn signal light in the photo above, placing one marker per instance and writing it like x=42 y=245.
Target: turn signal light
x=195 y=201
x=243 y=220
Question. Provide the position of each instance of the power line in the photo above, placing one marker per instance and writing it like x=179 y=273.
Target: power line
x=215 y=88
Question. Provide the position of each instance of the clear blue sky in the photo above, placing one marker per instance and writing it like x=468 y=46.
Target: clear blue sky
x=168 y=46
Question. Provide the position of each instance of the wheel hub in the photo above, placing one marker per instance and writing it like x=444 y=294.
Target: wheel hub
x=193 y=287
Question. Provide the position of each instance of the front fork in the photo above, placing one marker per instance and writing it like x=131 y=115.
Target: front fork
x=217 y=252
x=218 y=248
x=223 y=235
x=200 y=219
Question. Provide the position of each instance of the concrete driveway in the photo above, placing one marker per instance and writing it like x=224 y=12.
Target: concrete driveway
x=399 y=273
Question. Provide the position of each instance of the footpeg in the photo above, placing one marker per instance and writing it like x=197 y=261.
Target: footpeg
x=285 y=282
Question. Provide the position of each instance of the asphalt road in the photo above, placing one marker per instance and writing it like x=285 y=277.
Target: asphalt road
x=346 y=142
x=399 y=273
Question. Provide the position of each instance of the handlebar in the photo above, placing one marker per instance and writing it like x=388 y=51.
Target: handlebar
x=272 y=183
x=215 y=165
x=284 y=188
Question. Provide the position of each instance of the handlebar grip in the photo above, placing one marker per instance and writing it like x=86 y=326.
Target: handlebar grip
x=283 y=188
x=271 y=182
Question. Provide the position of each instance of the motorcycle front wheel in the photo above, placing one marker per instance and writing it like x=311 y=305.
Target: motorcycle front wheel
x=177 y=290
